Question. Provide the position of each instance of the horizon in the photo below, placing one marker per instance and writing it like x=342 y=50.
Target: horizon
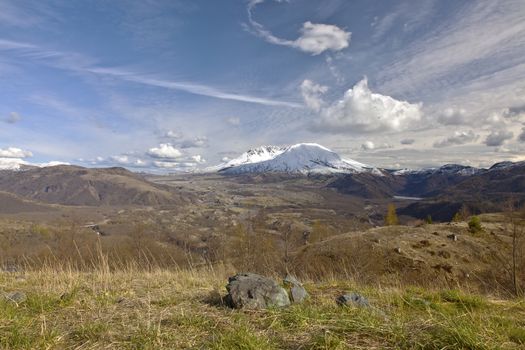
x=158 y=87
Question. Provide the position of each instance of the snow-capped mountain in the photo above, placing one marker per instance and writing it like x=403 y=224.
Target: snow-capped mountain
x=448 y=169
x=302 y=158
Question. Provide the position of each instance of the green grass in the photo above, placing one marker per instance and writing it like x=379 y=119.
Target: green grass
x=182 y=309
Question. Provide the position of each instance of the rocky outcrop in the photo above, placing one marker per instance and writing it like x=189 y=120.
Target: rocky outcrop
x=252 y=291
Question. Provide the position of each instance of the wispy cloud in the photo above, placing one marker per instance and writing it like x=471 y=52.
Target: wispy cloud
x=192 y=88
x=83 y=64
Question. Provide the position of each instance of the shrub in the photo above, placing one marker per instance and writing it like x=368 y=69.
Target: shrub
x=474 y=225
x=428 y=220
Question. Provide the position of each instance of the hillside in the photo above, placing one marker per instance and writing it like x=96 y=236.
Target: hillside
x=12 y=204
x=73 y=185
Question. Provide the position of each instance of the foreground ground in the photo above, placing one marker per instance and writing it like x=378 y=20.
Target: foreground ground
x=183 y=309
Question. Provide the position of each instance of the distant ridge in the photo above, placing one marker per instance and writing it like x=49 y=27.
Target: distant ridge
x=74 y=185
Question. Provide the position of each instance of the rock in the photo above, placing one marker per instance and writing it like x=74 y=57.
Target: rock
x=453 y=237
x=398 y=250
x=16 y=297
x=297 y=292
x=352 y=299
x=10 y=268
x=291 y=280
x=252 y=291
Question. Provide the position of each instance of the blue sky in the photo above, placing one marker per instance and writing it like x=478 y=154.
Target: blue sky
x=180 y=85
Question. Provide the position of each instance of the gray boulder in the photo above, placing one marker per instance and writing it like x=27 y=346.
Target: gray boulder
x=252 y=291
x=352 y=299
x=297 y=292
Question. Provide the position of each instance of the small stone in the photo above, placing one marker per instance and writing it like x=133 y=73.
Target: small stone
x=297 y=292
x=453 y=237
x=352 y=299
x=16 y=297
x=398 y=250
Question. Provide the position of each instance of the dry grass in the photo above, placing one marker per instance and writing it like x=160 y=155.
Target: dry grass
x=160 y=309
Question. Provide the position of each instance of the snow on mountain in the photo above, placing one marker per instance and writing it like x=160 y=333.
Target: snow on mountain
x=450 y=169
x=302 y=158
x=17 y=164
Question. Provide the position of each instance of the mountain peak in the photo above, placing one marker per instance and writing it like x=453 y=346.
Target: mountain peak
x=301 y=158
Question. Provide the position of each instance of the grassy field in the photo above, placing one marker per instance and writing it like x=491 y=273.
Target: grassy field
x=182 y=310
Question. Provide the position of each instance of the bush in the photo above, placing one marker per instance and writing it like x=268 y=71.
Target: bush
x=474 y=225
x=428 y=220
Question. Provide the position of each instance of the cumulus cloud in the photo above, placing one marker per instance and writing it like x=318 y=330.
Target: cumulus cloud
x=459 y=138
x=315 y=38
x=312 y=94
x=361 y=110
x=407 y=141
x=453 y=116
x=164 y=151
x=13 y=152
x=498 y=137
x=13 y=118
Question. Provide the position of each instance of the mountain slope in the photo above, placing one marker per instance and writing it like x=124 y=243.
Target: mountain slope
x=303 y=158
x=73 y=185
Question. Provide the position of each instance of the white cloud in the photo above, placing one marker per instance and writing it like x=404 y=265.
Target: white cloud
x=453 y=116
x=189 y=87
x=122 y=159
x=171 y=134
x=498 y=137
x=361 y=110
x=196 y=142
x=164 y=151
x=198 y=159
x=459 y=138
x=174 y=165
x=367 y=145
x=13 y=152
x=233 y=121
x=13 y=118
x=312 y=94
x=315 y=38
